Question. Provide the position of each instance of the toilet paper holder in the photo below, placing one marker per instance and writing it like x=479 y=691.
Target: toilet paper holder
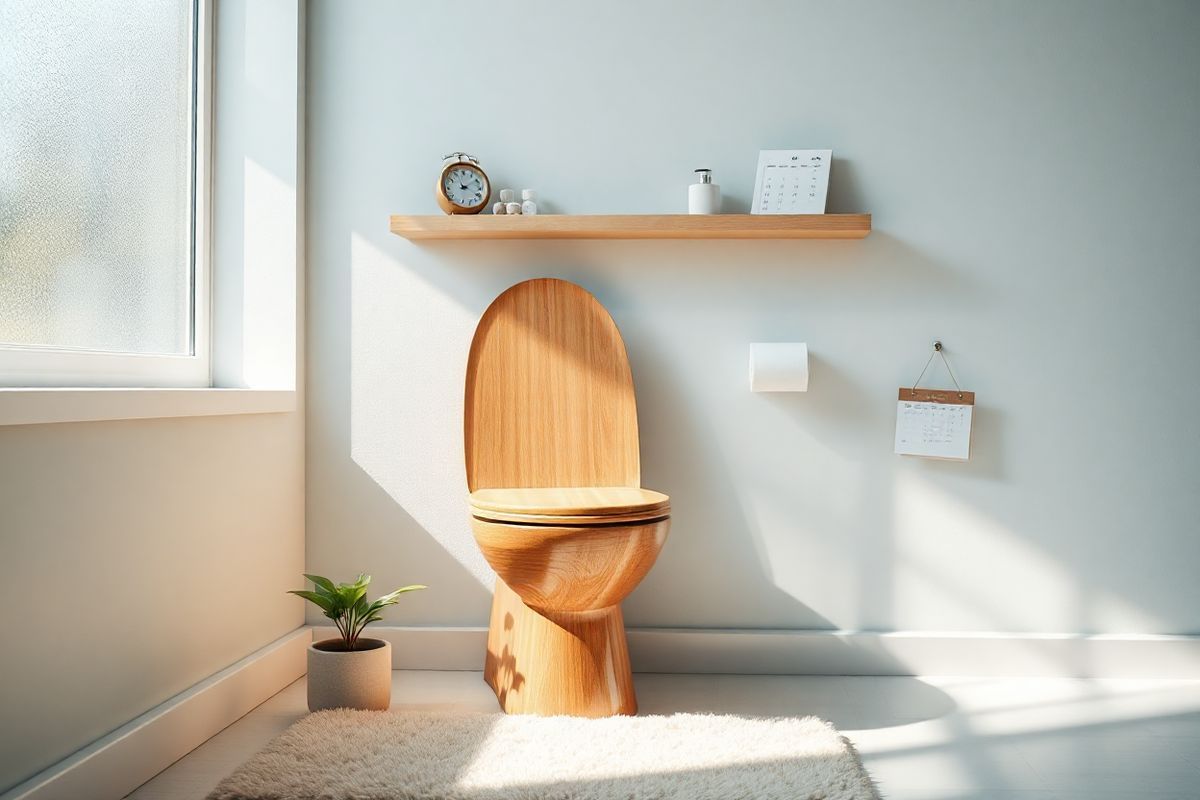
x=779 y=367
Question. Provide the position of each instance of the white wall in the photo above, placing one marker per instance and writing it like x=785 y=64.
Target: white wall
x=1034 y=177
x=139 y=557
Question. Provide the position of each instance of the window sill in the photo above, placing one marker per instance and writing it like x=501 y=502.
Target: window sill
x=40 y=406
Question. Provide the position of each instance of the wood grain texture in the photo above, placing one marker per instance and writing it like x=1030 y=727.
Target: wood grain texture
x=562 y=663
x=575 y=520
x=571 y=501
x=634 y=226
x=552 y=462
x=549 y=394
x=571 y=568
x=951 y=396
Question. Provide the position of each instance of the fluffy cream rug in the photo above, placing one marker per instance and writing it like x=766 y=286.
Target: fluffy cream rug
x=372 y=755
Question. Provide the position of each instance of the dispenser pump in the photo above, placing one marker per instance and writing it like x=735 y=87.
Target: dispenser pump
x=704 y=197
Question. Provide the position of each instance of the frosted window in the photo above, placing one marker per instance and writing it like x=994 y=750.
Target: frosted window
x=95 y=174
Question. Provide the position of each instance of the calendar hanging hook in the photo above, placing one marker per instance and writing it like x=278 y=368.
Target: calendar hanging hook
x=937 y=351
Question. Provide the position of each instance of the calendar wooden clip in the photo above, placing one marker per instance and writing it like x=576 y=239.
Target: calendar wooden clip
x=934 y=423
x=938 y=396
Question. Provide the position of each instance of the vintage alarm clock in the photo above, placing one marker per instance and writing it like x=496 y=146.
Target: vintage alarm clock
x=463 y=187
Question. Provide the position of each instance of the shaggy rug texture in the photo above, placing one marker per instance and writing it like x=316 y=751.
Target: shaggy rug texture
x=373 y=755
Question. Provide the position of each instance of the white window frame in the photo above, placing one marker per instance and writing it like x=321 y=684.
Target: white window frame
x=256 y=270
x=48 y=366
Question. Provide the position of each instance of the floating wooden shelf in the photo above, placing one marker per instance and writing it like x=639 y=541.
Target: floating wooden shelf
x=634 y=226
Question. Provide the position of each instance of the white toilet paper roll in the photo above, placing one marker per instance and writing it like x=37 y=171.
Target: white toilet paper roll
x=779 y=367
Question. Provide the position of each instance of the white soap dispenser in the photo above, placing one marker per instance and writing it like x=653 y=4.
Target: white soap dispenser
x=704 y=197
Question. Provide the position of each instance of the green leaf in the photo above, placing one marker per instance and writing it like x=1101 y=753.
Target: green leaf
x=390 y=598
x=346 y=603
x=358 y=593
x=322 y=583
x=320 y=600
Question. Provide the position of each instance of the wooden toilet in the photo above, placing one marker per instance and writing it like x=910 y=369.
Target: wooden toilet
x=556 y=500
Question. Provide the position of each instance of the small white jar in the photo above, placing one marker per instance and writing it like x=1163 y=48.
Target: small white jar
x=529 y=201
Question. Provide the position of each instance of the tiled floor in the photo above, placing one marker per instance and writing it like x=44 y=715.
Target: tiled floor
x=926 y=738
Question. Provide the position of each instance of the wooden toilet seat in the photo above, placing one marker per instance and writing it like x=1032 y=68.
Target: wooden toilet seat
x=569 y=505
x=551 y=444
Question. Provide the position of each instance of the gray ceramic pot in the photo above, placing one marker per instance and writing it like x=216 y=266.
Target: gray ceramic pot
x=359 y=678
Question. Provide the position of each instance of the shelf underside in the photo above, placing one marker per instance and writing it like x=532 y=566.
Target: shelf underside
x=633 y=226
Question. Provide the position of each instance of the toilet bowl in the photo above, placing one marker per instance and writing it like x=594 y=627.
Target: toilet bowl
x=556 y=501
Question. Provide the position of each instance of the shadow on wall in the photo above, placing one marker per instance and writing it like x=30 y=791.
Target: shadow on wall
x=388 y=493
x=782 y=513
x=392 y=415
x=408 y=491
x=785 y=514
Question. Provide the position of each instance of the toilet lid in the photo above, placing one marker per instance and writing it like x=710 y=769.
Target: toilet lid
x=569 y=504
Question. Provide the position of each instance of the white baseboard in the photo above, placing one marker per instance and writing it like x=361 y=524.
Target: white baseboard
x=115 y=765
x=803 y=652
x=915 y=653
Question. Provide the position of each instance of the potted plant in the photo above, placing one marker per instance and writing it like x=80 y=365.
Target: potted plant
x=349 y=671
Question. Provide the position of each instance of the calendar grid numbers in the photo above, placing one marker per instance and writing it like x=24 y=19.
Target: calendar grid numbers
x=791 y=181
x=934 y=423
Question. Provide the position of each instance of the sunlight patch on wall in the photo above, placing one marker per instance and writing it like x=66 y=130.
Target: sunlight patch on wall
x=802 y=502
x=409 y=345
x=963 y=568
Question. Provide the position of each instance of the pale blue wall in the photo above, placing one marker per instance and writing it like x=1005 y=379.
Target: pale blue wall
x=1034 y=174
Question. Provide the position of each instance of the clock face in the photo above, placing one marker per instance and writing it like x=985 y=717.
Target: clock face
x=465 y=187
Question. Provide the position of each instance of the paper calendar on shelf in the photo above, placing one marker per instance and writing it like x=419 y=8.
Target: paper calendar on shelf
x=934 y=423
x=791 y=182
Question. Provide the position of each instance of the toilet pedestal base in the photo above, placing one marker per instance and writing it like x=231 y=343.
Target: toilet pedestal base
x=574 y=662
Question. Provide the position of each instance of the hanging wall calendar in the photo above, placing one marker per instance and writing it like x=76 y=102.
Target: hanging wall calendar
x=934 y=423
